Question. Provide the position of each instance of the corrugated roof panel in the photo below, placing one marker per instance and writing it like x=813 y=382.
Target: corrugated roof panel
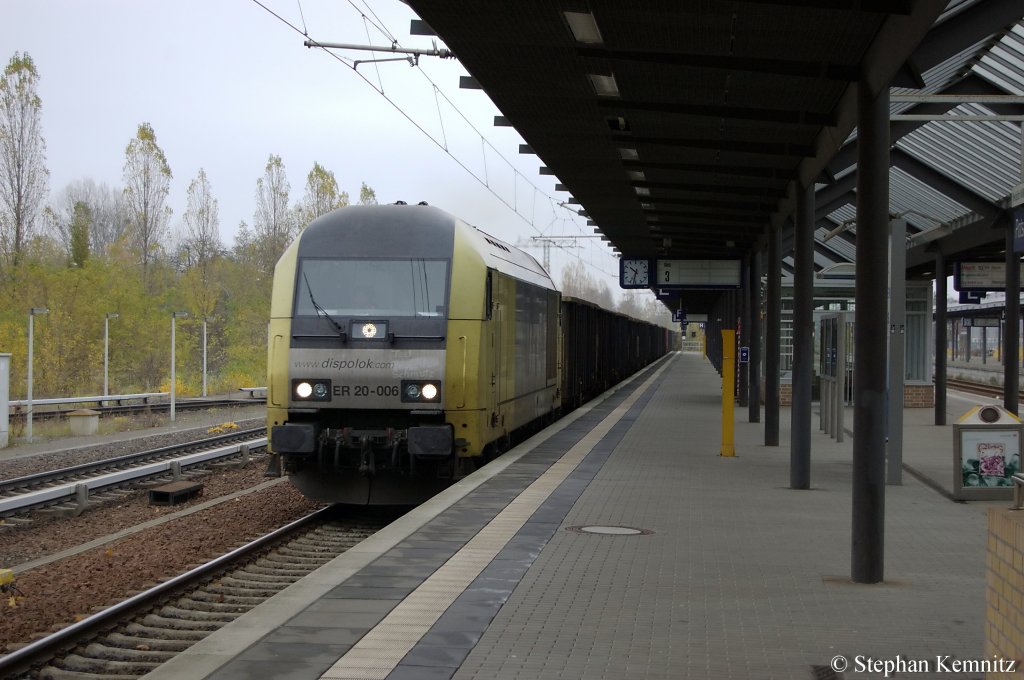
x=1004 y=64
x=953 y=8
x=843 y=248
x=940 y=77
x=909 y=193
x=983 y=156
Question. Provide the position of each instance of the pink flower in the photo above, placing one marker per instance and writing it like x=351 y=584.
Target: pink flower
x=992 y=466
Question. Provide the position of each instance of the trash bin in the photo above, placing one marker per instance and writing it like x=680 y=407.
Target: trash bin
x=987 y=447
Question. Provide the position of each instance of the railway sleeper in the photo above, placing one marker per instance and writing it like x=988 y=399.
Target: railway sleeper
x=180 y=613
x=100 y=650
x=223 y=598
x=309 y=551
x=289 y=562
x=162 y=633
x=278 y=573
x=242 y=580
x=83 y=664
x=242 y=591
x=212 y=606
x=149 y=643
x=53 y=673
x=173 y=623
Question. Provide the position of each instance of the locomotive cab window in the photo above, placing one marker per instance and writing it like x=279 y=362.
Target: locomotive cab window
x=369 y=288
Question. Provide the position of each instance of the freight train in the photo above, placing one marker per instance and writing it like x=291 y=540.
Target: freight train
x=407 y=347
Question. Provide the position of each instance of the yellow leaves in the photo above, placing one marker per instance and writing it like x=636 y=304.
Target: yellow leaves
x=222 y=428
x=12 y=602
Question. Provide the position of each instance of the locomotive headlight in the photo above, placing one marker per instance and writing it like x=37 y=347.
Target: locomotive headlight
x=311 y=390
x=421 y=391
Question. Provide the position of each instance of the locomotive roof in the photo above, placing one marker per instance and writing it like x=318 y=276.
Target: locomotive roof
x=373 y=230
x=508 y=259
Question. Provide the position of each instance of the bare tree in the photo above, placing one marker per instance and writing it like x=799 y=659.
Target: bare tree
x=322 y=194
x=202 y=220
x=147 y=180
x=273 y=222
x=23 y=173
x=106 y=206
x=577 y=282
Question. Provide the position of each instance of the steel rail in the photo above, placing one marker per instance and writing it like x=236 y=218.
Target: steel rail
x=69 y=491
x=40 y=651
x=120 y=461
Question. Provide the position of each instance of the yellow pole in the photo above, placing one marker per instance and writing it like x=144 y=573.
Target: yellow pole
x=728 y=385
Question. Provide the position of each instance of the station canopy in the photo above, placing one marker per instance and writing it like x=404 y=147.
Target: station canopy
x=682 y=129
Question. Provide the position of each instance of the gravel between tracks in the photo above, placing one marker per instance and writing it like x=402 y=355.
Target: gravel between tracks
x=59 y=593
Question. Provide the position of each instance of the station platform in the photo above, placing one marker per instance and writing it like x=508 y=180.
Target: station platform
x=732 y=574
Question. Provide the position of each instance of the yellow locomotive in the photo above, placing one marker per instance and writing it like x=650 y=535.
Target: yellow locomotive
x=401 y=341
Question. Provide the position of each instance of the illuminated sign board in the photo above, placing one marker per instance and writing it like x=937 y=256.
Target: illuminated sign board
x=980 y=276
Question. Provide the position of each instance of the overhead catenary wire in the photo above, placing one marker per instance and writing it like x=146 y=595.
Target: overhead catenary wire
x=442 y=144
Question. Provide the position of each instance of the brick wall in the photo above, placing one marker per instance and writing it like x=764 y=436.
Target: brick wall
x=918 y=396
x=1004 y=618
x=914 y=396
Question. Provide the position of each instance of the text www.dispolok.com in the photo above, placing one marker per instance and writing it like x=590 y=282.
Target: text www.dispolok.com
x=344 y=364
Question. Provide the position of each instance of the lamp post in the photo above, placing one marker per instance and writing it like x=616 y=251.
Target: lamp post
x=204 y=356
x=28 y=409
x=174 y=317
x=106 y=350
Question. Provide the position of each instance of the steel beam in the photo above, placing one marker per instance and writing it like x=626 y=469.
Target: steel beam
x=940 y=338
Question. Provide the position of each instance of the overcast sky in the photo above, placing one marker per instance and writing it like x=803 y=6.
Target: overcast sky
x=225 y=84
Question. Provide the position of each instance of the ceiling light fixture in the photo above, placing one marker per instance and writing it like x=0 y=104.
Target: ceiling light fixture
x=583 y=27
x=642 y=191
x=628 y=153
x=636 y=175
x=604 y=86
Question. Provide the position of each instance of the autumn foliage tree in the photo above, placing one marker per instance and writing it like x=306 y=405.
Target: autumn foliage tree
x=23 y=173
x=147 y=182
x=80 y=257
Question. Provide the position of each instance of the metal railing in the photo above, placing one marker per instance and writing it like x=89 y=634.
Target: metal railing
x=144 y=396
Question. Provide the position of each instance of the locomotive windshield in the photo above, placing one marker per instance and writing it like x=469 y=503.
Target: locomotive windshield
x=393 y=288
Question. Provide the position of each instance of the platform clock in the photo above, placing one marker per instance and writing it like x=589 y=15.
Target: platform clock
x=634 y=272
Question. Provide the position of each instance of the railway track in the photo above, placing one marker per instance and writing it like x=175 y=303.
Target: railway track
x=142 y=632
x=977 y=388
x=56 y=487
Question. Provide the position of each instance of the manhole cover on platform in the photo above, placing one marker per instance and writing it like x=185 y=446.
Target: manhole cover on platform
x=610 y=531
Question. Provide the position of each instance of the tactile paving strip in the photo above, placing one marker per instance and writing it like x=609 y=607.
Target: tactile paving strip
x=379 y=652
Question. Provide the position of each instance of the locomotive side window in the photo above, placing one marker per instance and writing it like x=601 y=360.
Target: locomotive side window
x=410 y=287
